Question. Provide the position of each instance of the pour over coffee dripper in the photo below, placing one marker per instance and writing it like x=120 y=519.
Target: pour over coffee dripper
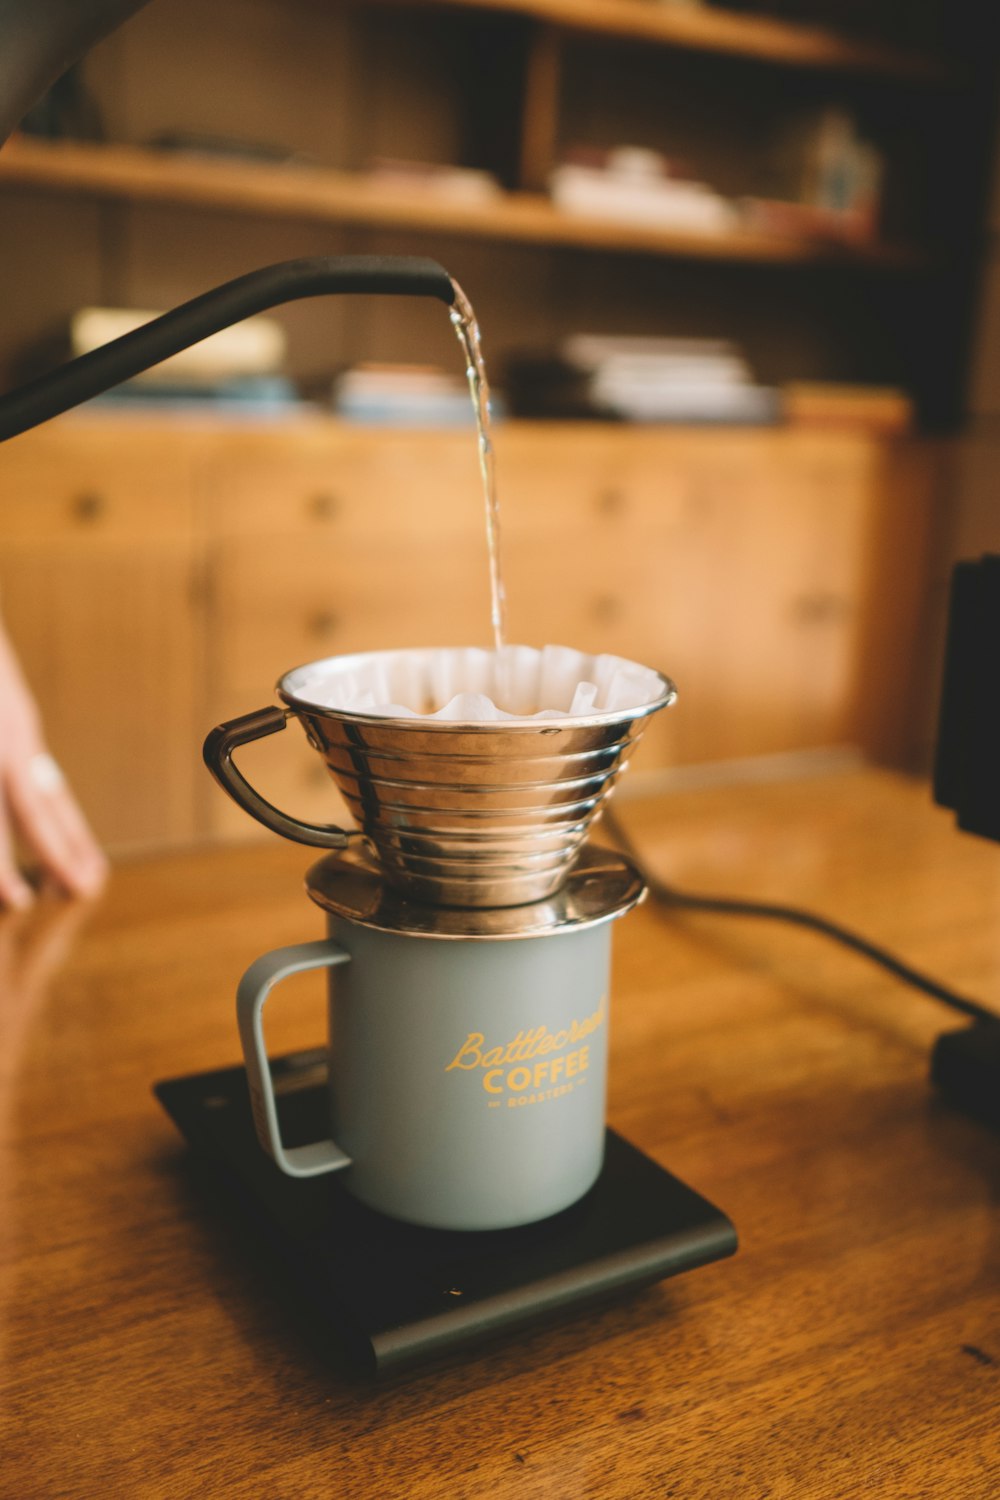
x=454 y=813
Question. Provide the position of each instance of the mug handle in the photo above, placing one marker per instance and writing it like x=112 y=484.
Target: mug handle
x=254 y=988
x=218 y=753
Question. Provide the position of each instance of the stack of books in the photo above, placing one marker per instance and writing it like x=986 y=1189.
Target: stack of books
x=642 y=380
x=239 y=369
x=384 y=395
x=451 y=184
x=641 y=187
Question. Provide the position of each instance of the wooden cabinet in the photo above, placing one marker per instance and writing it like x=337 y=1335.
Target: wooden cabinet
x=742 y=564
x=99 y=575
x=328 y=541
x=159 y=577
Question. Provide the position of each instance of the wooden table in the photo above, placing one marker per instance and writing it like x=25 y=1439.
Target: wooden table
x=852 y=1347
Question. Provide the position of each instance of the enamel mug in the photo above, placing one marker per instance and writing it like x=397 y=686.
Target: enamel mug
x=467 y=1049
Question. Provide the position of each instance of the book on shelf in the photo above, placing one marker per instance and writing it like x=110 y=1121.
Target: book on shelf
x=469 y=185
x=642 y=380
x=634 y=185
x=253 y=349
x=826 y=404
x=239 y=369
x=404 y=396
x=245 y=395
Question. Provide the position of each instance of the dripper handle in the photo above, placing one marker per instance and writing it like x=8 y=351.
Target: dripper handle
x=218 y=752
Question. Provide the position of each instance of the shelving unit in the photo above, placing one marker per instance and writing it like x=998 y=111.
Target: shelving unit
x=707 y=29
x=510 y=86
x=324 y=196
x=695 y=29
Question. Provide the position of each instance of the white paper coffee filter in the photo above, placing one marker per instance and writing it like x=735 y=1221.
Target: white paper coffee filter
x=471 y=685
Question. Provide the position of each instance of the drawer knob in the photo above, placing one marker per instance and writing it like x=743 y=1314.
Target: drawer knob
x=323 y=506
x=606 y=609
x=322 y=623
x=89 y=507
x=820 y=608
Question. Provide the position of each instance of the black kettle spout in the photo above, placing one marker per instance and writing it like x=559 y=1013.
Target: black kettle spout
x=288 y=281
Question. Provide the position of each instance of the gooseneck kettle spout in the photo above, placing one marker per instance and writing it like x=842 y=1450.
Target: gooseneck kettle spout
x=288 y=281
x=39 y=40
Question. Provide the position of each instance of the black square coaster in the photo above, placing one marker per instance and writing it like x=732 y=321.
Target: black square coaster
x=396 y=1294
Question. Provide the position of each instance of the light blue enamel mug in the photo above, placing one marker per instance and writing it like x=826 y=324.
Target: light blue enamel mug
x=467 y=1048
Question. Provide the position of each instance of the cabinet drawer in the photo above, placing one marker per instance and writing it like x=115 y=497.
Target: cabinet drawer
x=111 y=643
x=280 y=484
x=277 y=605
x=67 y=488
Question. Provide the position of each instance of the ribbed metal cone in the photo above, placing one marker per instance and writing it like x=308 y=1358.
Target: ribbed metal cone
x=474 y=814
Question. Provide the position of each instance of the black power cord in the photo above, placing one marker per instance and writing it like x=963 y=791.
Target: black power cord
x=965 y=1064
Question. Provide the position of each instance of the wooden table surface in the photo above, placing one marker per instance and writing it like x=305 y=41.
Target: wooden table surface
x=851 y=1348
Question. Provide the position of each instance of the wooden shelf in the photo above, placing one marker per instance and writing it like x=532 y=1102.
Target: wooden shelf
x=706 y=29
x=322 y=195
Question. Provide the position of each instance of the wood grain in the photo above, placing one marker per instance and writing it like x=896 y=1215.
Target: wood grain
x=851 y=1348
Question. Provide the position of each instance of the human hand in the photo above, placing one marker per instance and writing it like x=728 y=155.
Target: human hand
x=36 y=805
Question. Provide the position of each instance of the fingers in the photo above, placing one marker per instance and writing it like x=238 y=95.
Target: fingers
x=36 y=803
x=15 y=892
x=53 y=827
